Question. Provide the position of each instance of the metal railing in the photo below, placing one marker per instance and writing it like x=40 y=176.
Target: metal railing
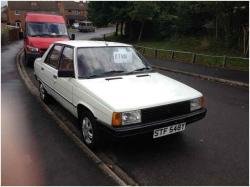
x=238 y=63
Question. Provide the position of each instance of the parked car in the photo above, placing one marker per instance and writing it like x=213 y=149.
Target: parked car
x=75 y=25
x=110 y=87
x=86 y=26
x=41 y=30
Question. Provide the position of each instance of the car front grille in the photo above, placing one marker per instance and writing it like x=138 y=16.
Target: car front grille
x=164 y=112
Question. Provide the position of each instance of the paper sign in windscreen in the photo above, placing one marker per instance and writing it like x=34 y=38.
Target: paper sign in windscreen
x=122 y=56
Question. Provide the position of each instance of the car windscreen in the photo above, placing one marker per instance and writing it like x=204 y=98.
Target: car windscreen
x=46 y=29
x=104 y=61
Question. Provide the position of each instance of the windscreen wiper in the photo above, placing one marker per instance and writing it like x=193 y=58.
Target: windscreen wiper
x=140 y=69
x=36 y=35
x=89 y=76
x=102 y=74
x=112 y=71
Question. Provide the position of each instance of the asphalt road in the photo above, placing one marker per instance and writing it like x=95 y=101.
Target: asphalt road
x=88 y=35
x=213 y=151
x=34 y=150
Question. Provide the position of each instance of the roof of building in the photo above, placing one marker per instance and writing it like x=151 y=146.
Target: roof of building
x=71 y=5
x=44 y=5
x=91 y=43
x=36 y=6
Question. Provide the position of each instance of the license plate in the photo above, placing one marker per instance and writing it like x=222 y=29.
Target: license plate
x=169 y=130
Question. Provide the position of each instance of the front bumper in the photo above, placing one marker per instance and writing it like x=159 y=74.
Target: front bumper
x=33 y=55
x=142 y=128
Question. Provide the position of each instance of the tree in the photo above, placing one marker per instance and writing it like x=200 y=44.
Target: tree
x=142 y=11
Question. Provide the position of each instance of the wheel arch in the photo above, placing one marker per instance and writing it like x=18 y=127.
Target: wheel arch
x=83 y=108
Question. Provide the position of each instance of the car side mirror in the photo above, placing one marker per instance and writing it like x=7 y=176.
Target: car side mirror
x=73 y=36
x=65 y=73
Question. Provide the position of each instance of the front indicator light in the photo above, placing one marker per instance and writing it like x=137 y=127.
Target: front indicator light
x=116 y=119
x=202 y=101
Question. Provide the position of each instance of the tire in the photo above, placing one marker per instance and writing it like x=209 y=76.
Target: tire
x=44 y=96
x=27 y=60
x=90 y=133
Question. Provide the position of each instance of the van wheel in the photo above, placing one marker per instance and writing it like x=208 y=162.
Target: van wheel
x=43 y=93
x=90 y=133
x=27 y=60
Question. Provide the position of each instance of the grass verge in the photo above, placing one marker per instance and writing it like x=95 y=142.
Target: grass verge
x=207 y=51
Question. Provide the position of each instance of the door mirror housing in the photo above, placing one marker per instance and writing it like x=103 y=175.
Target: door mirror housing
x=66 y=73
x=73 y=36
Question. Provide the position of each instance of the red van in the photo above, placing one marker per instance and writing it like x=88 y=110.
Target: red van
x=41 y=30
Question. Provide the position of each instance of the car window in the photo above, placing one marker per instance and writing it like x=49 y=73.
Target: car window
x=54 y=56
x=67 y=62
x=98 y=60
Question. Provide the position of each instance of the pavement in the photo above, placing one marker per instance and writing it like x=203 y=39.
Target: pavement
x=233 y=75
x=34 y=150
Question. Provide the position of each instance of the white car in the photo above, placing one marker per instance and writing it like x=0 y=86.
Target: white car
x=109 y=86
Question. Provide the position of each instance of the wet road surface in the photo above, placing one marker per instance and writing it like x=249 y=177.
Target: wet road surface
x=213 y=151
x=34 y=150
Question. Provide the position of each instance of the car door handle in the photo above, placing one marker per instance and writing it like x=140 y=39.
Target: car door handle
x=54 y=76
x=42 y=68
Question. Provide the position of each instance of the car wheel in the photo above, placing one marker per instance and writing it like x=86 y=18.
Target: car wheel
x=43 y=94
x=89 y=131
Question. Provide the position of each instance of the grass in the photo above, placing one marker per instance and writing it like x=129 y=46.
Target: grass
x=198 y=45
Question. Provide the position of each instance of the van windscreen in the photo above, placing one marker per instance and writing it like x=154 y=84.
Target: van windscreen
x=46 y=29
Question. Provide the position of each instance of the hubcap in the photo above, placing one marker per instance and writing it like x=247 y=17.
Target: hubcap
x=87 y=130
x=42 y=92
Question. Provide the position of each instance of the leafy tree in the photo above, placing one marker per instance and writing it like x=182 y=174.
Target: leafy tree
x=143 y=11
x=226 y=21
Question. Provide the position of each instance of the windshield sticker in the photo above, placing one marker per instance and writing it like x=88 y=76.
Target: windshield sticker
x=122 y=56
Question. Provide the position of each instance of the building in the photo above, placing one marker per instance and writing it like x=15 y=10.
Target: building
x=72 y=11
x=4 y=14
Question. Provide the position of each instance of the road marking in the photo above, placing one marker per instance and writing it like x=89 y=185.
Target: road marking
x=118 y=175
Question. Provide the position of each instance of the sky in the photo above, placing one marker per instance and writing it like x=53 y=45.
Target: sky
x=3 y=3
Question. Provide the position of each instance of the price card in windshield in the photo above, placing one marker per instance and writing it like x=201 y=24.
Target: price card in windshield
x=122 y=56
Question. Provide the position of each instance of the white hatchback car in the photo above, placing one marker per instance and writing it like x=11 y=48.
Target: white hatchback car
x=109 y=86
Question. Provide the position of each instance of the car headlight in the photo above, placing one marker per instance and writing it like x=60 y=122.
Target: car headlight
x=197 y=103
x=126 y=118
x=33 y=49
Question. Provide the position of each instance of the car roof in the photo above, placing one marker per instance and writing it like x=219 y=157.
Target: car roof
x=91 y=43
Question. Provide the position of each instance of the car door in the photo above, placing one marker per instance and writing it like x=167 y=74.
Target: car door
x=64 y=85
x=50 y=68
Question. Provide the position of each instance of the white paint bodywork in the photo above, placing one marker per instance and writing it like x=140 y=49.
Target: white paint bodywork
x=103 y=97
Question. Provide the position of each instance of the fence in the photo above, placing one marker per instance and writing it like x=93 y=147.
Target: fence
x=196 y=58
x=9 y=34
